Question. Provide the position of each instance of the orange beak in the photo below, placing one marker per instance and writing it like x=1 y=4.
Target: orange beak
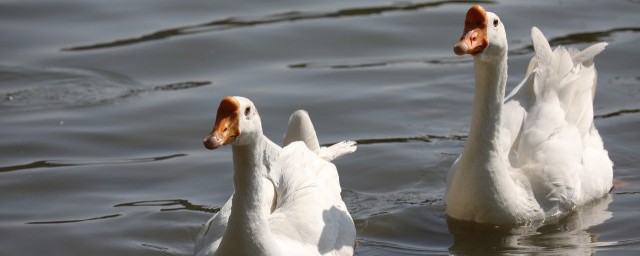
x=226 y=129
x=474 y=38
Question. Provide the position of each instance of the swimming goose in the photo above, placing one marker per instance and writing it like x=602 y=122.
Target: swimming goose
x=535 y=154
x=286 y=200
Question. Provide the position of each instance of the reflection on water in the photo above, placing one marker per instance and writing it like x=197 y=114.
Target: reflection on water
x=568 y=236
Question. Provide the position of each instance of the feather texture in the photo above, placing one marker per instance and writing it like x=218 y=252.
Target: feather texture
x=546 y=156
x=286 y=201
x=300 y=128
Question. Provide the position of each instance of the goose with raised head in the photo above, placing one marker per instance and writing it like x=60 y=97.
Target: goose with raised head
x=286 y=200
x=535 y=154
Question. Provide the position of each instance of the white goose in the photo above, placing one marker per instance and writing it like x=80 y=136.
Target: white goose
x=535 y=154
x=286 y=200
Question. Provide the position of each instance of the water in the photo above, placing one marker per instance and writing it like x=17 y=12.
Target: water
x=103 y=106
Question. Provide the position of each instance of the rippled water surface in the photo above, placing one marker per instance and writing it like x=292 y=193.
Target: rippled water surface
x=104 y=104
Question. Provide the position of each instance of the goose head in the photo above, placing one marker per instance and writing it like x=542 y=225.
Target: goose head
x=237 y=123
x=484 y=36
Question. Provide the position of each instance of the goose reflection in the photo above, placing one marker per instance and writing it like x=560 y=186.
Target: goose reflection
x=570 y=235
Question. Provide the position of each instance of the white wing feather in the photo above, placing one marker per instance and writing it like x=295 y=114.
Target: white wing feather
x=557 y=137
x=309 y=202
x=300 y=128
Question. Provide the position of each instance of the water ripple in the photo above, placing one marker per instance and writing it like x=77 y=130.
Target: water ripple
x=617 y=113
x=363 y=205
x=425 y=138
x=380 y=63
x=570 y=39
x=238 y=22
x=157 y=248
x=75 y=221
x=62 y=163
x=180 y=203
x=391 y=248
x=627 y=193
x=578 y=38
x=433 y=138
x=33 y=88
x=180 y=86
x=37 y=88
x=591 y=37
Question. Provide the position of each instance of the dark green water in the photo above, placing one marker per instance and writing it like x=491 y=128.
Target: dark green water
x=104 y=104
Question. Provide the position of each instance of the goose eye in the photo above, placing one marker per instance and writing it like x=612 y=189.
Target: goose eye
x=247 y=111
x=495 y=23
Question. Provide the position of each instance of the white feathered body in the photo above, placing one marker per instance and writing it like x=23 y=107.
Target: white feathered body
x=300 y=210
x=547 y=152
x=309 y=216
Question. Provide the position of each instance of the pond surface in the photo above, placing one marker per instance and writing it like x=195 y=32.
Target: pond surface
x=104 y=104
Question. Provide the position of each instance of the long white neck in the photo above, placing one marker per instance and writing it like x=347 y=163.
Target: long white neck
x=248 y=229
x=491 y=79
x=481 y=187
x=482 y=175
